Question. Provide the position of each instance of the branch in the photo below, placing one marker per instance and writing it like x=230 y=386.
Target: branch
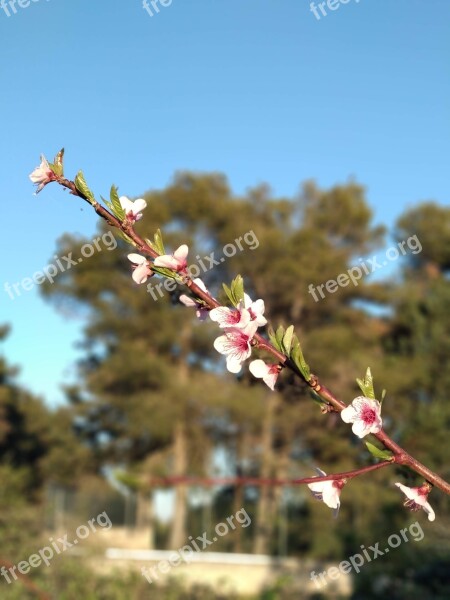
x=400 y=456
x=258 y=481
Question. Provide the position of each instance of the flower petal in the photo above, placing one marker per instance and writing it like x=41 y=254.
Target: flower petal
x=136 y=259
x=139 y=205
x=430 y=512
x=126 y=204
x=167 y=261
x=330 y=495
x=181 y=253
x=187 y=300
x=233 y=364
x=258 y=368
x=360 y=429
x=221 y=344
x=317 y=487
x=349 y=414
x=141 y=273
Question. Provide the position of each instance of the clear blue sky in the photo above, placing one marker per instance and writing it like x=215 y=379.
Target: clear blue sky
x=258 y=89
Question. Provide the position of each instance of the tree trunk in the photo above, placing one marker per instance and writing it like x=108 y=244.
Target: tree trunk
x=243 y=443
x=279 y=508
x=264 y=520
x=178 y=532
x=180 y=450
x=144 y=516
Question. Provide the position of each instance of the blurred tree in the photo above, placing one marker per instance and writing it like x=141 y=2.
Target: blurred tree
x=417 y=344
x=34 y=438
x=153 y=395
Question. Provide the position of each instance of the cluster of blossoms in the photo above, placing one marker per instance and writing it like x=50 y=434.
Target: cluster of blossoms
x=365 y=414
x=239 y=326
x=329 y=492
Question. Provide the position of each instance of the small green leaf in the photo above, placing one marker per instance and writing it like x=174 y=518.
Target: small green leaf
x=158 y=244
x=107 y=203
x=82 y=186
x=366 y=385
x=237 y=288
x=299 y=360
x=57 y=166
x=279 y=335
x=150 y=243
x=228 y=292
x=235 y=293
x=287 y=339
x=383 y=395
x=383 y=454
x=124 y=236
x=116 y=206
x=272 y=337
x=168 y=273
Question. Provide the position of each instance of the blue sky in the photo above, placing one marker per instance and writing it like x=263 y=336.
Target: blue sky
x=259 y=90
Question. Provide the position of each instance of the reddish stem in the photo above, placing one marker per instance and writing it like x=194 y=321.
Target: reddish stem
x=258 y=481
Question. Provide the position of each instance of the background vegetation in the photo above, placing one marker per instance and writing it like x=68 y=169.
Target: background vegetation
x=153 y=398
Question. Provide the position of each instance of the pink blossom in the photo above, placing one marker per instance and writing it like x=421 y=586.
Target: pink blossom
x=42 y=175
x=246 y=311
x=141 y=268
x=132 y=208
x=236 y=345
x=328 y=491
x=417 y=498
x=202 y=311
x=268 y=373
x=227 y=317
x=176 y=261
x=364 y=413
x=256 y=310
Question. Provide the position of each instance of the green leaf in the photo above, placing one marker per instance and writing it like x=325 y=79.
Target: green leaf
x=287 y=339
x=378 y=453
x=272 y=338
x=366 y=385
x=383 y=395
x=167 y=273
x=228 y=292
x=158 y=244
x=237 y=288
x=107 y=203
x=279 y=335
x=150 y=243
x=57 y=166
x=124 y=236
x=235 y=293
x=299 y=360
x=82 y=186
x=116 y=206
